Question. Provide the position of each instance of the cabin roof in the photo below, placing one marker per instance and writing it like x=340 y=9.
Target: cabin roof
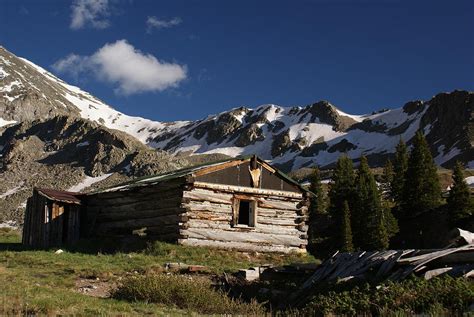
x=202 y=169
x=60 y=195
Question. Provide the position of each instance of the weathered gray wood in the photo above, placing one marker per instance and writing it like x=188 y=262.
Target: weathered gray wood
x=138 y=214
x=240 y=189
x=241 y=246
x=248 y=237
x=267 y=203
x=199 y=223
x=138 y=223
x=219 y=198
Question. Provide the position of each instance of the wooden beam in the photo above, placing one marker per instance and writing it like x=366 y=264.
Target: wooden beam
x=249 y=190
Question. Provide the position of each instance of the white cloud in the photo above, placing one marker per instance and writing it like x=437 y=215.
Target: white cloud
x=121 y=64
x=90 y=13
x=153 y=22
x=72 y=64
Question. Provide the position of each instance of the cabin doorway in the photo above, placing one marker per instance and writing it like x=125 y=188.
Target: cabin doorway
x=245 y=213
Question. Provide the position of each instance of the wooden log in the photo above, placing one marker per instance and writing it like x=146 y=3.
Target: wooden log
x=208 y=196
x=248 y=237
x=226 y=226
x=241 y=246
x=282 y=222
x=139 y=223
x=271 y=204
x=128 y=200
x=207 y=206
x=138 y=214
x=241 y=189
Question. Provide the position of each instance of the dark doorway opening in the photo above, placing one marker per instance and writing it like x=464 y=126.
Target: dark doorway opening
x=244 y=213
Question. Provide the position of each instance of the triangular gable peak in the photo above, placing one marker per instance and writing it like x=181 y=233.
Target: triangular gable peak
x=246 y=172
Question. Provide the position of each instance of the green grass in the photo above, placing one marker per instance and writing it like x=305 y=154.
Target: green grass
x=40 y=281
x=185 y=292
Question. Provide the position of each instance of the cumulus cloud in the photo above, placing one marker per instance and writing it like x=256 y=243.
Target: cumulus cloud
x=90 y=13
x=129 y=69
x=153 y=22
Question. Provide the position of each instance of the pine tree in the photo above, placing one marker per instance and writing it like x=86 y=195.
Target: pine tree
x=317 y=207
x=400 y=166
x=387 y=180
x=422 y=190
x=341 y=189
x=346 y=231
x=460 y=204
x=317 y=201
x=368 y=224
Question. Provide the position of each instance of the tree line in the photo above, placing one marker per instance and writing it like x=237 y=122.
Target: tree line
x=365 y=214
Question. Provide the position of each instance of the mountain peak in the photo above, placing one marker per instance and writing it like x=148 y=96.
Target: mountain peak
x=315 y=134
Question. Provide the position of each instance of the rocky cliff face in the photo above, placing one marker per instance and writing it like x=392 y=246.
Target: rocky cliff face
x=319 y=133
x=55 y=135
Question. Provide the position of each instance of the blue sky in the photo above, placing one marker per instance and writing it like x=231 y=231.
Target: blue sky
x=201 y=57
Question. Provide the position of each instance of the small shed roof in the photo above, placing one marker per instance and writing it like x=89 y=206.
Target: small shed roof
x=199 y=169
x=60 y=195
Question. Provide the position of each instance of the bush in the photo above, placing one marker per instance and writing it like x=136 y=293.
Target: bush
x=195 y=295
x=412 y=296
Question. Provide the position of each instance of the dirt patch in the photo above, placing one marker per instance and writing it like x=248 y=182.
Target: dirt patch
x=95 y=287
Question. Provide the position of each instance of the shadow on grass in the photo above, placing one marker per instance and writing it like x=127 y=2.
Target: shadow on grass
x=10 y=240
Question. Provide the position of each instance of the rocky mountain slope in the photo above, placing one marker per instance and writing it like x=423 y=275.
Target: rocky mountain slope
x=317 y=134
x=53 y=134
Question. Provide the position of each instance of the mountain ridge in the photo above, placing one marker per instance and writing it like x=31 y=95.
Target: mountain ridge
x=53 y=134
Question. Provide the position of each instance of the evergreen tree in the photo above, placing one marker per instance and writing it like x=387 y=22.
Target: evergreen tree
x=341 y=189
x=400 y=166
x=317 y=201
x=460 y=204
x=422 y=191
x=387 y=180
x=368 y=221
x=346 y=231
x=317 y=207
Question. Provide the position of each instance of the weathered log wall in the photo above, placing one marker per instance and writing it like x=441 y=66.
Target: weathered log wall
x=153 y=210
x=280 y=220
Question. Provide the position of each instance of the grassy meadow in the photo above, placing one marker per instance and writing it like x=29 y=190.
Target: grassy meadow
x=43 y=282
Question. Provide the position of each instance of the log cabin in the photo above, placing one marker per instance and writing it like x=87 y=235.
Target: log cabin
x=242 y=203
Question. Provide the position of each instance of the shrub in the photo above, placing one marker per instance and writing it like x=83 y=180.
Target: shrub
x=194 y=294
x=412 y=296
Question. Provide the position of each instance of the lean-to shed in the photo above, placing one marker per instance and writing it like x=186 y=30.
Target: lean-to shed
x=241 y=203
x=52 y=218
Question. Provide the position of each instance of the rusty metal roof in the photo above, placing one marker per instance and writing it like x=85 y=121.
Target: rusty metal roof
x=60 y=195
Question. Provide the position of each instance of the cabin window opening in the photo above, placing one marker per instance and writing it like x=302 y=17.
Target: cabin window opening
x=245 y=213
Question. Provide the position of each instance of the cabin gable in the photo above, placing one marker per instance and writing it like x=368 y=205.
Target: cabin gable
x=264 y=177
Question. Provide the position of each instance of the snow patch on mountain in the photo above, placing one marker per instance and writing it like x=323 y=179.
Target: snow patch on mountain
x=4 y=122
x=87 y=182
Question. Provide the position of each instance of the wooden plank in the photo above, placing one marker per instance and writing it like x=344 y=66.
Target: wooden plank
x=250 y=190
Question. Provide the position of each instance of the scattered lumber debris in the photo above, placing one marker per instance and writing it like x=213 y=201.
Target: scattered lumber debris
x=393 y=265
x=460 y=237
